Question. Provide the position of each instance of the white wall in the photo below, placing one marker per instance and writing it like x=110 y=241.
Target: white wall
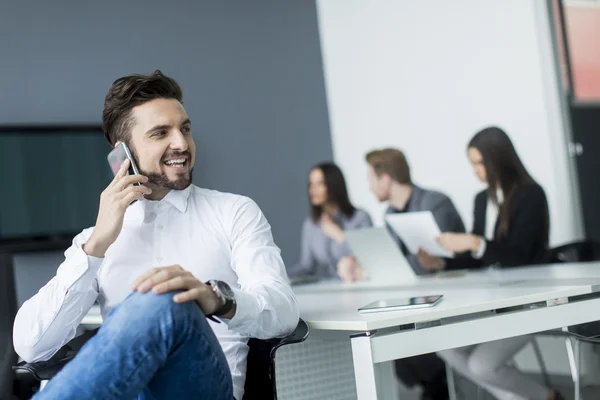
x=424 y=76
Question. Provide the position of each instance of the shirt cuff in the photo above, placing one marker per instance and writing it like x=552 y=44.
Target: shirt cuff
x=95 y=262
x=481 y=251
x=247 y=310
x=79 y=265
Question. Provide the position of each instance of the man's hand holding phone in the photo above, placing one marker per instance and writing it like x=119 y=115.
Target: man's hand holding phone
x=114 y=201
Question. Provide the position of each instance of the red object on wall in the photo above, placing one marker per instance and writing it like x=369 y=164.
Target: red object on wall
x=583 y=33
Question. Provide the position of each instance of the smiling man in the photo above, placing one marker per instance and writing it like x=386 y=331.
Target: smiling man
x=184 y=276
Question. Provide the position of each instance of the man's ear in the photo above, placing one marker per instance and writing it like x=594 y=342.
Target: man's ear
x=387 y=180
x=118 y=142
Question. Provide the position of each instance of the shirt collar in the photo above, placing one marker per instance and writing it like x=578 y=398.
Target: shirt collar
x=393 y=210
x=500 y=196
x=338 y=216
x=178 y=198
x=135 y=212
x=138 y=211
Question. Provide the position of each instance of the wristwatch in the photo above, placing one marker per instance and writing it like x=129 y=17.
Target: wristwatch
x=225 y=294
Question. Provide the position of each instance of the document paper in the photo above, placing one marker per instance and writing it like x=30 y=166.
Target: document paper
x=418 y=230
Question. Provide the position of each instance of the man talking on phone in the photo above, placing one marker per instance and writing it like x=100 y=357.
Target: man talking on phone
x=184 y=275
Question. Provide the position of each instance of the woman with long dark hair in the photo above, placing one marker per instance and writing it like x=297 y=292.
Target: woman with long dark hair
x=511 y=221
x=324 y=252
x=510 y=228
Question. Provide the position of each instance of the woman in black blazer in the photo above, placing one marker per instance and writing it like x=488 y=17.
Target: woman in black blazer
x=511 y=220
x=525 y=240
x=510 y=228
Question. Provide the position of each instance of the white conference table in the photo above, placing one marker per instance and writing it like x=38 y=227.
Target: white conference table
x=477 y=308
x=575 y=273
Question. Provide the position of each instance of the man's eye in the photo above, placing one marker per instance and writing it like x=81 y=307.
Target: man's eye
x=186 y=129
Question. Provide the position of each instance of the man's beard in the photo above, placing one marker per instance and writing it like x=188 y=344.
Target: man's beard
x=161 y=179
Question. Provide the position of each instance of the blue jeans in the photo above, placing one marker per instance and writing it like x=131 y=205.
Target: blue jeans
x=149 y=348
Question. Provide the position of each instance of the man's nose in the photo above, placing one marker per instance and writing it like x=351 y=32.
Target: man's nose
x=178 y=141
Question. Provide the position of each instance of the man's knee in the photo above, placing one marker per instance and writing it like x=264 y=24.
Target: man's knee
x=482 y=368
x=144 y=302
x=150 y=306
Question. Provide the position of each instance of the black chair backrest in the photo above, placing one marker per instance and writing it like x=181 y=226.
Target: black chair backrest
x=8 y=310
x=259 y=380
x=575 y=252
x=260 y=368
x=583 y=251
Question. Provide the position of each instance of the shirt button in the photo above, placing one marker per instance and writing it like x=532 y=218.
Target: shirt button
x=160 y=227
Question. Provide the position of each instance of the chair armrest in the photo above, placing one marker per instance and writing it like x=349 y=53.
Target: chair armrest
x=298 y=336
x=45 y=370
x=260 y=373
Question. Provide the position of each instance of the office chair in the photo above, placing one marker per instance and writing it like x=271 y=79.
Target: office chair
x=8 y=310
x=260 y=375
x=587 y=250
x=582 y=251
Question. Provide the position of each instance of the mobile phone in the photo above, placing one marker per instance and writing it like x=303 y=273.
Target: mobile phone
x=407 y=303
x=116 y=158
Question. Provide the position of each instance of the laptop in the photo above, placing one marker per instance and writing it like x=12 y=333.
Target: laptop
x=382 y=259
x=380 y=256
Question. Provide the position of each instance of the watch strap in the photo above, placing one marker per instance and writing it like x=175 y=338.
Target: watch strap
x=229 y=303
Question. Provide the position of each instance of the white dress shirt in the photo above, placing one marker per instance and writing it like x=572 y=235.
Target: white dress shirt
x=213 y=235
x=492 y=211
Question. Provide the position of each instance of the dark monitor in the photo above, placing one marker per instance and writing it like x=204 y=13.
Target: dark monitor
x=51 y=179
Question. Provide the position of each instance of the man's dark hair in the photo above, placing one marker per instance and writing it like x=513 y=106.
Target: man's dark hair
x=131 y=91
x=392 y=162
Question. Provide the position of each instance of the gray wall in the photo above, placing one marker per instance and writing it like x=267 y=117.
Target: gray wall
x=251 y=73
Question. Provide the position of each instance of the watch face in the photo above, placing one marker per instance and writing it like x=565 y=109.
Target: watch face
x=225 y=289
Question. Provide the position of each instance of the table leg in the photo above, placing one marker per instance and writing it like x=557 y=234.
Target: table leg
x=365 y=371
x=573 y=355
x=451 y=382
